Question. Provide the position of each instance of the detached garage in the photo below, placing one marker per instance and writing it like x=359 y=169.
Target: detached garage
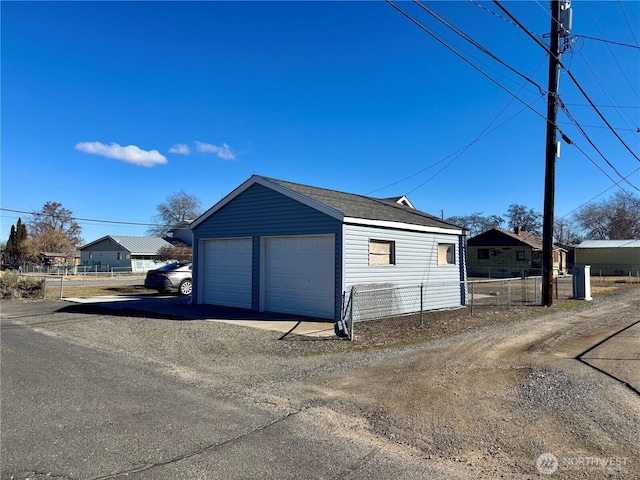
x=226 y=272
x=278 y=246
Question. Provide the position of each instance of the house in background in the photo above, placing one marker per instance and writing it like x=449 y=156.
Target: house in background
x=277 y=246
x=610 y=257
x=571 y=253
x=180 y=234
x=116 y=253
x=57 y=262
x=499 y=253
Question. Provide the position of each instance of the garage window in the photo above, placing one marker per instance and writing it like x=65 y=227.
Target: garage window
x=382 y=252
x=446 y=254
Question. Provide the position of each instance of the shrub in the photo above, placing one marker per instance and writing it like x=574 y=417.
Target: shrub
x=13 y=286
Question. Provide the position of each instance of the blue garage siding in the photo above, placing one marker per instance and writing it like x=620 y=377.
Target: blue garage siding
x=260 y=212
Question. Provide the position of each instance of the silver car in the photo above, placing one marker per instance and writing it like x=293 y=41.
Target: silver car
x=174 y=277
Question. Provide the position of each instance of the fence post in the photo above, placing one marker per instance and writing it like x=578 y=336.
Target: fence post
x=509 y=294
x=556 y=288
x=61 y=283
x=351 y=322
x=472 y=284
x=421 y=307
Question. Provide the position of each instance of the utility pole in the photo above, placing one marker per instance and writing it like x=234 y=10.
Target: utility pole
x=558 y=29
x=550 y=159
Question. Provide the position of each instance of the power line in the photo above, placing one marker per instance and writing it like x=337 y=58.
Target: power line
x=115 y=222
x=604 y=89
x=613 y=55
x=485 y=132
x=581 y=129
x=495 y=14
x=564 y=136
x=477 y=45
x=624 y=14
x=466 y=60
x=587 y=37
x=462 y=150
x=571 y=76
x=602 y=126
x=601 y=106
x=600 y=194
x=482 y=134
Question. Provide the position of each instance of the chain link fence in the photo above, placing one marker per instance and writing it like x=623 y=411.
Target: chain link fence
x=387 y=301
x=616 y=271
x=43 y=285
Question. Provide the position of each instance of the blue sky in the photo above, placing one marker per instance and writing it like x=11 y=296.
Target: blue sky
x=108 y=108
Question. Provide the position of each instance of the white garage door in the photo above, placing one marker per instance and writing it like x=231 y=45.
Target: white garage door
x=300 y=275
x=226 y=273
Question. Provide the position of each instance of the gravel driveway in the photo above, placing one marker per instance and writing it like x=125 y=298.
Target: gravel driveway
x=482 y=398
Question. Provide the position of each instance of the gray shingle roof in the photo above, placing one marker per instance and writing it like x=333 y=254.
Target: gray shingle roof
x=360 y=206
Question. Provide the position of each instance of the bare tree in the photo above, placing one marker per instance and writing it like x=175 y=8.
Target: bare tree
x=177 y=253
x=54 y=229
x=526 y=219
x=616 y=218
x=179 y=208
x=565 y=232
x=477 y=223
x=51 y=241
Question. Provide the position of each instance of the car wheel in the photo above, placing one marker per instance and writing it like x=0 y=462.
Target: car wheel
x=185 y=287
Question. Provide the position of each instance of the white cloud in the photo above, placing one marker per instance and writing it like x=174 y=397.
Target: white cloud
x=224 y=152
x=129 y=154
x=180 y=148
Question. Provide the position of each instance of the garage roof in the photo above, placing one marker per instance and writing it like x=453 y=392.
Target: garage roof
x=609 y=244
x=347 y=207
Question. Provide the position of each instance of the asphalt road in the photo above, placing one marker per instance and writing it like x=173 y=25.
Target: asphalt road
x=70 y=411
x=144 y=388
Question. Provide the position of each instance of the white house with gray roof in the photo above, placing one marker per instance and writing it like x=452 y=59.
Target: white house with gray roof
x=278 y=246
x=117 y=253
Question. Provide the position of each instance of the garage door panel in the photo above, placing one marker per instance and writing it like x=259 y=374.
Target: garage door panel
x=300 y=275
x=227 y=272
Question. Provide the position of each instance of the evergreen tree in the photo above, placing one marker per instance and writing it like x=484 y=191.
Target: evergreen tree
x=15 y=248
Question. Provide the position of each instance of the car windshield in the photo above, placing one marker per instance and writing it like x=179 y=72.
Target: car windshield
x=172 y=266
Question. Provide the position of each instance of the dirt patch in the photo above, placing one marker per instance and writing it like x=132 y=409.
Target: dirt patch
x=488 y=395
x=475 y=396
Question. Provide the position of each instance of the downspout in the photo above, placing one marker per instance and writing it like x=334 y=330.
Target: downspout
x=463 y=266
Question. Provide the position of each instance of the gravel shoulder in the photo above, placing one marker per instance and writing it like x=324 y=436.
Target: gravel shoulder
x=473 y=397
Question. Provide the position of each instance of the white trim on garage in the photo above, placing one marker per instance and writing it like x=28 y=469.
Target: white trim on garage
x=225 y=272
x=297 y=275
